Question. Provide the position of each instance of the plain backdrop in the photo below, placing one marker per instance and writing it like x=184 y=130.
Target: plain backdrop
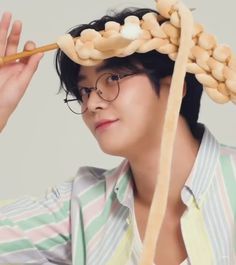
x=43 y=143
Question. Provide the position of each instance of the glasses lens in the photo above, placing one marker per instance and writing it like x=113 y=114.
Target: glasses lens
x=108 y=86
x=74 y=104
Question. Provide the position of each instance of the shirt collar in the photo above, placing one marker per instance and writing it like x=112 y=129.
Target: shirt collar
x=203 y=170
x=119 y=181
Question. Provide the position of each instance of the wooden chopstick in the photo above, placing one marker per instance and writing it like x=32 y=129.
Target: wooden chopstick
x=24 y=54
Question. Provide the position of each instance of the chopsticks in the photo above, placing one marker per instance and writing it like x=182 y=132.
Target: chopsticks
x=24 y=54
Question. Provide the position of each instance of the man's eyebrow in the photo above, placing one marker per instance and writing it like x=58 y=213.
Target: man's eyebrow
x=104 y=66
x=100 y=68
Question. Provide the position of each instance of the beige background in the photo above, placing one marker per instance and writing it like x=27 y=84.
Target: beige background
x=44 y=143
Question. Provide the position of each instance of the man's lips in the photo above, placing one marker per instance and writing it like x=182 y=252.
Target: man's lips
x=103 y=123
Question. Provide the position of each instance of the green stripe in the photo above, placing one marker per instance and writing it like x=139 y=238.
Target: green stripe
x=226 y=146
x=80 y=252
x=92 y=193
x=17 y=245
x=6 y=222
x=229 y=178
x=53 y=242
x=45 y=218
x=102 y=218
x=230 y=182
x=99 y=221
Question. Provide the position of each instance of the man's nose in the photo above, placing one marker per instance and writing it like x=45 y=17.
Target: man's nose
x=95 y=102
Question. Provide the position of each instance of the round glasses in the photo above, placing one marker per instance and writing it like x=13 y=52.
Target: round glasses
x=107 y=88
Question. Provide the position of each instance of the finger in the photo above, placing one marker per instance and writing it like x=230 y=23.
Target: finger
x=29 y=45
x=22 y=77
x=4 y=27
x=29 y=70
x=13 y=39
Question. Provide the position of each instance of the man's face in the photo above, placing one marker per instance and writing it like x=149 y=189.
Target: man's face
x=132 y=121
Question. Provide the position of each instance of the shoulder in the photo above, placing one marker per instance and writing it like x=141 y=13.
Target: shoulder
x=228 y=151
x=228 y=159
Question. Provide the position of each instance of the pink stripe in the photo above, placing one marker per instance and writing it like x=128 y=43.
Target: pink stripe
x=10 y=234
x=94 y=241
x=36 y=235
x=92 y=210
x=49 y=231
x=227 y=150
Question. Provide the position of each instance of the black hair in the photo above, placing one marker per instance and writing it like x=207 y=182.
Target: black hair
x=155 y=64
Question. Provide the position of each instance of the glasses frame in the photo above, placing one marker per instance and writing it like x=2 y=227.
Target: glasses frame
x=120 y=76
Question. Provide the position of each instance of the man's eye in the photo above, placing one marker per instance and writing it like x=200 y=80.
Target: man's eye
x=84 y=91
x=113 y=78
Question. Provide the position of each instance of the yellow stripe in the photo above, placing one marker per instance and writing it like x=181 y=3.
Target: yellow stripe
x=5 y=202
x=123 y=251
x=195 y=236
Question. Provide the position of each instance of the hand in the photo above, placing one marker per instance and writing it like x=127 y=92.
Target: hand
x=14 y=77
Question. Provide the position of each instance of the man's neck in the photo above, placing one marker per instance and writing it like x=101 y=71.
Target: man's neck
x=145 y=167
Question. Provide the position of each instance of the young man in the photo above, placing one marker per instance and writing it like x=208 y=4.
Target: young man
x=100 y=217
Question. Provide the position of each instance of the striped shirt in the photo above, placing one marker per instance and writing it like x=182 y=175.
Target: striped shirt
x=89 y=220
